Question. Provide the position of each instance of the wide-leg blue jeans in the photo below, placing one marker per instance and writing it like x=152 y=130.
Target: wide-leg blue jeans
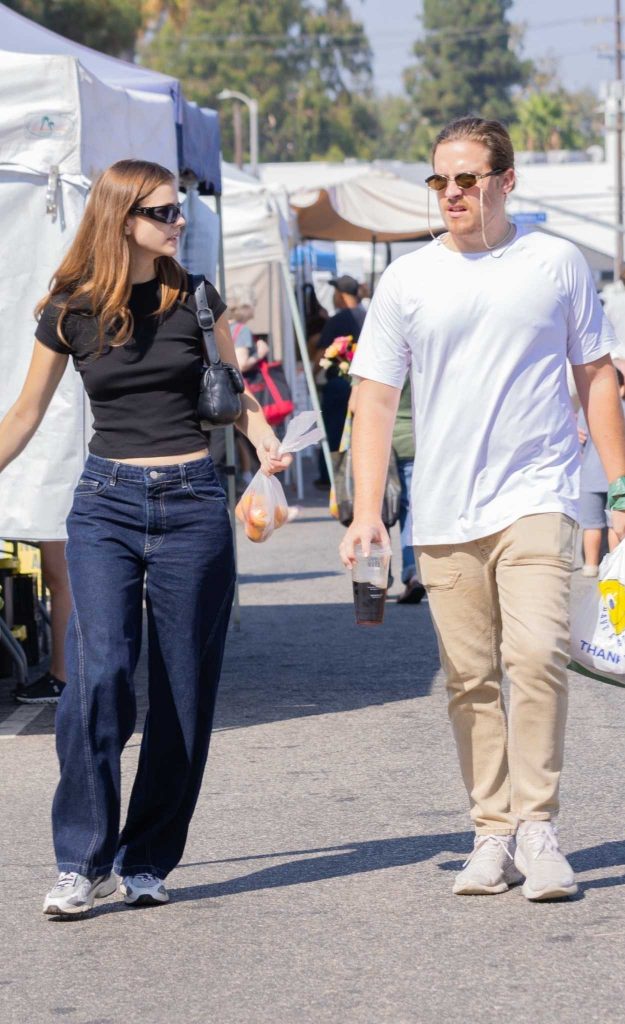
x=166 y=528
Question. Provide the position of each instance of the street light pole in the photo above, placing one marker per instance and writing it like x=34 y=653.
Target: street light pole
x=252 y=106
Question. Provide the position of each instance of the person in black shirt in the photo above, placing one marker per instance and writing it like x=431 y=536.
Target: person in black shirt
x=148 y=511
x=336 y=390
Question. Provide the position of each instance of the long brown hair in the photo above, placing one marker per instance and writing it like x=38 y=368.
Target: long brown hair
x=96 y=270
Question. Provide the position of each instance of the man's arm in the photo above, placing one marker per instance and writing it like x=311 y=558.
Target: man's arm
x=597 y=388
x=371 y=448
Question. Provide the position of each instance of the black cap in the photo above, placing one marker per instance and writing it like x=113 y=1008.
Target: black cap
x=346 y=284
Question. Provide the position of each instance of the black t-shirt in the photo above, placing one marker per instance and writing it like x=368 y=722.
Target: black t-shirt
x=143 y=394
x=343 y=323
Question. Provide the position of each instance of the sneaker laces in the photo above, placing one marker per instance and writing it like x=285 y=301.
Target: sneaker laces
x=67 y=879
x=542 y=837
x=500 y=843
x=145 y=876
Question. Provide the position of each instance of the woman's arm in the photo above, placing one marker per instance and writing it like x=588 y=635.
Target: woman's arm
x=21 y=421
x=251 y=422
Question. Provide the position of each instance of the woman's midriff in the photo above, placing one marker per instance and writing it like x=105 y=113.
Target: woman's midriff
x=165 y=460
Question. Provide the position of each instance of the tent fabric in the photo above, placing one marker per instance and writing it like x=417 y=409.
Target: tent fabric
x=357 y=203
x=199 y=141
x=36 y=489
x=21 y=35
x=201 y=146
x=53 y=112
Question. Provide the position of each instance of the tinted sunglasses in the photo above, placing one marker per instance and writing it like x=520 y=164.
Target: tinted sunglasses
x=464 y=180
x=167 y=214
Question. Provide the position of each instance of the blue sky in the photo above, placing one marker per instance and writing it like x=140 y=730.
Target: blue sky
x=392 y=26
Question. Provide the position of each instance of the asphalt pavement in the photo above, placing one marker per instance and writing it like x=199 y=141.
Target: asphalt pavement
x=316 y=883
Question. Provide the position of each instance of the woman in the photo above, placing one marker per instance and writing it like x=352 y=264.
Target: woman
x=148 y=508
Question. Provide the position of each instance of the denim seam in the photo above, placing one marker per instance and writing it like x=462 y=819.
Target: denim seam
x=85 y=729
x=218 y=616
x=84 y=869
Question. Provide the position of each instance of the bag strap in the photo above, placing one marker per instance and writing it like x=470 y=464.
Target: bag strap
x=206 y=320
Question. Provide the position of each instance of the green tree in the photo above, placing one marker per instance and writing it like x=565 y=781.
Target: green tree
x=307 y=64
x=107 y=25
x=466 y=62
x=548 y=116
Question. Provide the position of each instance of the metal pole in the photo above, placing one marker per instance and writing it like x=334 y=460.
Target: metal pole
x=372 y=278
x=229 y=431
x=618 y=89
x=253 y=108
x=238 y=141
x=303 y=351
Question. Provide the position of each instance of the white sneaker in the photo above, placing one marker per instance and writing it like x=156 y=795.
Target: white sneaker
x=489 y=869
x=75 y=894
x=548 y=874
x=144 y=890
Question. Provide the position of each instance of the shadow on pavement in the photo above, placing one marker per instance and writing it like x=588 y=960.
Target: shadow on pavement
x=315 y=865
x=292 y=661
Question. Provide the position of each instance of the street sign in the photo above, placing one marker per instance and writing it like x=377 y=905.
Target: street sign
x=528 y=217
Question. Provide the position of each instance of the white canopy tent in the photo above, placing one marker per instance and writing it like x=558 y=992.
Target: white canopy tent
x=59 y=125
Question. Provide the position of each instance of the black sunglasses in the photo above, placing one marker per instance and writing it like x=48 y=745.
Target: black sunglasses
x=466 y=179
x=167 y=214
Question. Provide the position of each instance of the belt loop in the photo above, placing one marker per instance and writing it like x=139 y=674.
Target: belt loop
x=114 y=473
x=183 y=474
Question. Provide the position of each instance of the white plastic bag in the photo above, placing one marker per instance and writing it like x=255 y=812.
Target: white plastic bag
x=263 y=507
x=598 y=623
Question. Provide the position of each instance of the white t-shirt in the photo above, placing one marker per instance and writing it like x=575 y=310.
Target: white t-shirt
x=486 y=339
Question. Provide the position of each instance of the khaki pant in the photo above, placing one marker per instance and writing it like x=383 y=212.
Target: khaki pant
x=502 y=603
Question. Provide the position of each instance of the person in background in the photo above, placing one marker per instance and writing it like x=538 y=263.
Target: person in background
x=593 y=517
x=348 y=320
x=404 y=445
x=249 y=352
x=47 y=688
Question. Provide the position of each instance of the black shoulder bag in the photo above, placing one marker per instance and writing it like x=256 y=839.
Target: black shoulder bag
x=221 y=384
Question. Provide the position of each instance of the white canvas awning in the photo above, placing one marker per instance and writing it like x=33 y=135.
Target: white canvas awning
x=354 y=203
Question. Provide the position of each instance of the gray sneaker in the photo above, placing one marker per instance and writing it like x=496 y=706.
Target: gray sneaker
x=489 y=869
x=548 y=874
x=144 y=890
x=75 y=894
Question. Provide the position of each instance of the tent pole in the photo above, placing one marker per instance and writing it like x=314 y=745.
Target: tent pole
x=303 y=351
x=372 y=278
x=229 y=431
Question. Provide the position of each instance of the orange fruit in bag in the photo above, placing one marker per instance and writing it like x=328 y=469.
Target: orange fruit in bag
x=280 y=516
x=258 y=515
x=243 y=507
x=255 y=533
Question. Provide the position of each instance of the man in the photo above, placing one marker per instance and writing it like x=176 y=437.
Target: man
x=350 y=315
x=485 y=319
x=348 y=319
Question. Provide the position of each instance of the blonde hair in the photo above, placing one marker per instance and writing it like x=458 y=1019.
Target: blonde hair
x=96 y=269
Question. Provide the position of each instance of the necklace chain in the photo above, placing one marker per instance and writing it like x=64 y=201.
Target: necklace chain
x=502 y=244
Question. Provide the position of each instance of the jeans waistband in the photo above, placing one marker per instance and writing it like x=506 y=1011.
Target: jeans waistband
x=180 y=472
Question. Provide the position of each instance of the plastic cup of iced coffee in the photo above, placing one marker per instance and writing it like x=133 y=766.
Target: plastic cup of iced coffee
x=370 y=583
